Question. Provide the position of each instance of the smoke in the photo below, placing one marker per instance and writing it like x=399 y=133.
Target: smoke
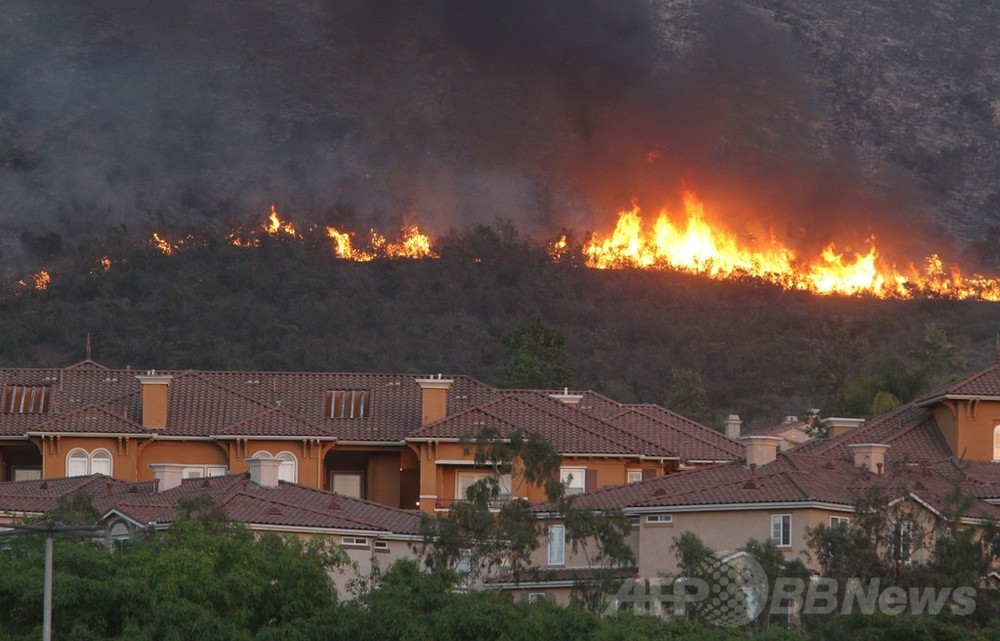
x=443 y=112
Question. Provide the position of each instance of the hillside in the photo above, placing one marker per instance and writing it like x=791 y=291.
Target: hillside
x=289 y=305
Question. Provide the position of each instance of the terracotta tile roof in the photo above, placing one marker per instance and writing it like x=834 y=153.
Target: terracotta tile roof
x=566 y=429
x=689 y=439
x=794 y=478
x=206 y=403
x=90 y=419
x=909 y=430
x=289 y=504
x=243 y=501
x=981 y=384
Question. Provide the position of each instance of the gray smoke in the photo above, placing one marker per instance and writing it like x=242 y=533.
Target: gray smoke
x=446 y=112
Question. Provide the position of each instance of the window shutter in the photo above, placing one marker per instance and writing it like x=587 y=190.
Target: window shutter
x=328 y=405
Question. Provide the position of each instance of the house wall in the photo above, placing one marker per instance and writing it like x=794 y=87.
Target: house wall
x=438 y=481
x=123 y=454
x=180 y=452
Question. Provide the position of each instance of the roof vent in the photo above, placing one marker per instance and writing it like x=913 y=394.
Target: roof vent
x=44 y=485
x=275 y=510
x=660 y=492
x=333 y=505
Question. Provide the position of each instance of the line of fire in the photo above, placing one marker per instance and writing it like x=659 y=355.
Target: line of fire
x=686 y=243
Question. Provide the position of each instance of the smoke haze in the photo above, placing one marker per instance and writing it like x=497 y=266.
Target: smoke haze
x=444 y=112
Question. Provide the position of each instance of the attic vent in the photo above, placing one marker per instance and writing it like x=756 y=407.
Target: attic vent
x=347 y=404
x=660 y=492
x=50 y=379
x=44 y=485
x=110 y=379
x=333 y=505
x=829 y=465
x=133 y=489
x=253 y=381
x=393 y=384
x=26 y=399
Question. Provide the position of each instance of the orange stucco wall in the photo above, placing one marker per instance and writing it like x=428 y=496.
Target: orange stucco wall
x=967 y=427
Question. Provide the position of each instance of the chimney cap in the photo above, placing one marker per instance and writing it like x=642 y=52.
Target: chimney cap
x=435 y=382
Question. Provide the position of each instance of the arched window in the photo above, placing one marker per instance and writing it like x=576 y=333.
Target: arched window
x=289 y=470
x=996 y=443
x=81 y=463
x=262 y=454
x=77 y=463
x=100 y=462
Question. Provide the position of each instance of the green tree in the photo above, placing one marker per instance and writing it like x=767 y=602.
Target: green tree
x=536 y=357
x=688 y=396
x=484 y=536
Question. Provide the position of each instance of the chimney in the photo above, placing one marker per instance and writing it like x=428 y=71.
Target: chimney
x=264 y=471
x=761 y=450
x=870 y=456
x=155 y=388
x=839 y=426
x=167 y=475
x=566 y=397
x=733 y=425
x=433 y=398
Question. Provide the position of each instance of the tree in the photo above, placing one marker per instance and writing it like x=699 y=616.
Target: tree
x=485 y=537
x=536 y=357
x=688 y=396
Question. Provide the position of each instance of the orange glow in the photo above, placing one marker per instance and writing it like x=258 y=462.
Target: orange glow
x=39 y=281
x=275 y=226
x=693 y=245
x=161 y=244
x=558 y=249
x=413 y=245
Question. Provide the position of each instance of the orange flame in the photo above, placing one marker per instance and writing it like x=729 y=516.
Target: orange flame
x=696 y=247
x=161 y=244
x=39 y=281
x=413 y=245
x=276 y=226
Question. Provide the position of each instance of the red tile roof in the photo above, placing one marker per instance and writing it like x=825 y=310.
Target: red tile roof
x=288 y=505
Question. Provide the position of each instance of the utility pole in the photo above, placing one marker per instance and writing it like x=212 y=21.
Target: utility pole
x=50 y=528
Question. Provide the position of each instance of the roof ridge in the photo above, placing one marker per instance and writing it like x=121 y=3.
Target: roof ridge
x=588 y=417
x=274 y=501
x=695 y=436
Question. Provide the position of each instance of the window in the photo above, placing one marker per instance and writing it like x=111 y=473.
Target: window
x=26 y=399
x=355 y=541
x=574 y=478
x=557 y=544
x=465 y=480
x=201 y=471
x=347 y=404
x=839 y=521
x=288 y=470
x=347 y=484
x=381 y=546
x=996 y=443
x=81 y=463
x=664 y=519
x=781 y=529
x=539 y=596
x=633 y=521
x=26 y=473
x=902 y=542
x=634 y=476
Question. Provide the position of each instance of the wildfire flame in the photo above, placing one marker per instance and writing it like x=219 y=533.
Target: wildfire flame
x=39 y=281
x=414 y=245
x=689 y=243
x=696 y=247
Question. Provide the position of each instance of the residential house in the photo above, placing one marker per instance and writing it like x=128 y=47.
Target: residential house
x=388 y=438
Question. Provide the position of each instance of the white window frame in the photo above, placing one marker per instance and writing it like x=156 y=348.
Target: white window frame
x=354 y=541
x=538 y=596
x=902 y=547
x=85 y=462
x=633 y=476
x=557 y=545
x=660 y=519
x=781 y=530
x=288 y=471
x=838 y=521
x=574 y=479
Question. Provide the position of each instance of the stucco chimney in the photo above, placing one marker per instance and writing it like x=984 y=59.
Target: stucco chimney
x=870 y=456
x=155 y=398
x=167 y=475
x=838 y=426
x=433 y=398
x=733 y=426
x=264 y=471
x=761 y=450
